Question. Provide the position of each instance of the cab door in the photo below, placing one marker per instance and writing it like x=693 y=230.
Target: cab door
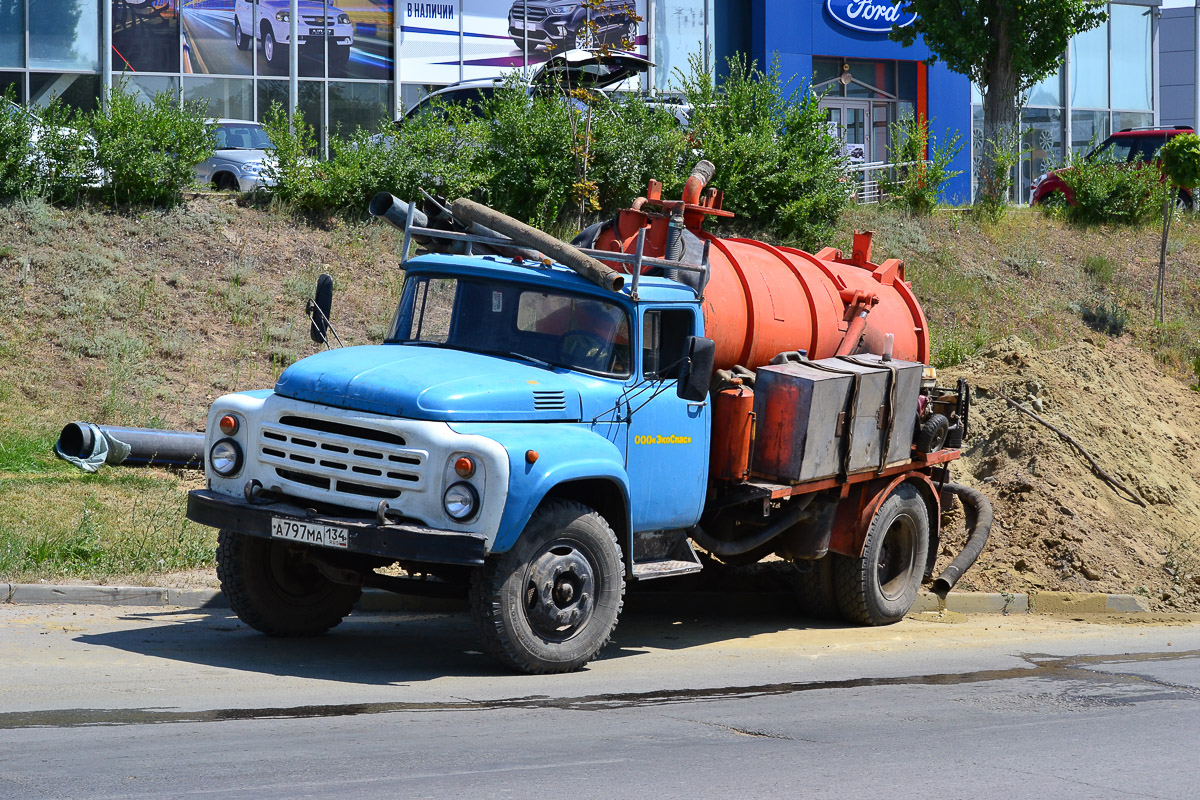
x=666 y=455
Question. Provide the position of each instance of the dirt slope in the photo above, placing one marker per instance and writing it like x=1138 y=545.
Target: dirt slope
x=1059 y=526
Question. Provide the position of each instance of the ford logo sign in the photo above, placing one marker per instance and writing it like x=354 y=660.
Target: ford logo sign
x=872 y=16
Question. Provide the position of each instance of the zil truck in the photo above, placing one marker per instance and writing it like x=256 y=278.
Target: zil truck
x=546 y=423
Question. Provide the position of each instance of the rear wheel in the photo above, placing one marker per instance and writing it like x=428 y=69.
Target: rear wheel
x=880 y=586
x=1183 y=201
x=551 y=602
x=274 y=590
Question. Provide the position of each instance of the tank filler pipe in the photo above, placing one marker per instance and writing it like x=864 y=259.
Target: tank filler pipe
x=702 y=173
x=979 y=524
x=469 y=211
x=790 y=516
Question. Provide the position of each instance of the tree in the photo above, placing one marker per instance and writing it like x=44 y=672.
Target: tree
x=1181 y=169
x=1004 y=46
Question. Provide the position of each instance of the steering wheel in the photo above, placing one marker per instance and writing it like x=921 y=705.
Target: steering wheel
x=586 y=350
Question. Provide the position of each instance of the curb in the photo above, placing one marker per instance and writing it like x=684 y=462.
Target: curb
x=1057 y=603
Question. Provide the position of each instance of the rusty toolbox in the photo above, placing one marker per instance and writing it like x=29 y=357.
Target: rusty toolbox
x=818 y=419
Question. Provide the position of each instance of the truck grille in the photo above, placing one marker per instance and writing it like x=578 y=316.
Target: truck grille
x=340 y=458
x=316 y=21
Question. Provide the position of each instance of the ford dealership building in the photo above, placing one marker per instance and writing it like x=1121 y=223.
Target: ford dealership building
x=361 y=60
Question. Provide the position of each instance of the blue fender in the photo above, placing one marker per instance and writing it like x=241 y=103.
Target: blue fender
x=566 y=452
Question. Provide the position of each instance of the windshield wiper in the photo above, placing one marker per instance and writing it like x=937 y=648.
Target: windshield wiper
x=510 y=354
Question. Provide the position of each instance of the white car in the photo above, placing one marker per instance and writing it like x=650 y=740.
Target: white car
x=242 y=154
x=317 y=24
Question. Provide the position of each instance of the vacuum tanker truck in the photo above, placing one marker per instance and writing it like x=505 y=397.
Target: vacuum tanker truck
x=546 y=423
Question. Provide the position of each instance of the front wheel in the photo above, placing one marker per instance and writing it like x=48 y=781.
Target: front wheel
x=240 y=39
x=274 y=590
x=880 y=586
x=551 y=602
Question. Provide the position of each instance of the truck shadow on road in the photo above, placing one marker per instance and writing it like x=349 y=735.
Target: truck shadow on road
x=389 y=648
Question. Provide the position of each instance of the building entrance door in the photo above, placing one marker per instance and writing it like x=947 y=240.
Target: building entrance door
x=849 y=120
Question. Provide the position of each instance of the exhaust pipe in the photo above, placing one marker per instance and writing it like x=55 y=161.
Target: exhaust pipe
x=979 y=524
x=599 y=274
x=81 y=441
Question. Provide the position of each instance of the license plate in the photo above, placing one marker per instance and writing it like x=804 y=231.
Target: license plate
x=317 y=31
x=519 y=23
x=307 y=532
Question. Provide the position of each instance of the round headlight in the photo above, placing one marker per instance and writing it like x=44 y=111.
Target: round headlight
x=461 y=501
x=225 y=457
x=343 y=19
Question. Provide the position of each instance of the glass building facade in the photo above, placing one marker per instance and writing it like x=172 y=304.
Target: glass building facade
x=364 y=61
x=1107 y=82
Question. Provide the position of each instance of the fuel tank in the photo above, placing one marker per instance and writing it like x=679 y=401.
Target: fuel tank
x=761 y=299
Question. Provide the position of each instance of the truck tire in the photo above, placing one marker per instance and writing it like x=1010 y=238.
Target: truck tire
x=240 y=39
x=879 y=587
x=274 y=591
x=551 y=602
x=815 y=592
x=931 y=434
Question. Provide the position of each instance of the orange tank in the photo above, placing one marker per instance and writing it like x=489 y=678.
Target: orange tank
x=733 y=431
x=762 y=300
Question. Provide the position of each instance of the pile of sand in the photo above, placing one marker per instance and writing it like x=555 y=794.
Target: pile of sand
x=1060 y=526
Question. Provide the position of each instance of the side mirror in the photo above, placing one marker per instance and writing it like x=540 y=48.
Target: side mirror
x=319 y=309
x=696 y=371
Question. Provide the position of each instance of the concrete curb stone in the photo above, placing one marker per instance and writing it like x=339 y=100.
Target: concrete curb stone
x=706 y=602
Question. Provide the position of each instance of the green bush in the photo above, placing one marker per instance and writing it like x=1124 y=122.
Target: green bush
x=1106 y=316
x=17 y=156
x=293 y=167
x=530 y=150
x=67 y=163
x=148 y=152
x=1181 y=159
x=1108 y=191
x=634 y=142
x=1100 y=268
x=778 y=164
x=917 y=187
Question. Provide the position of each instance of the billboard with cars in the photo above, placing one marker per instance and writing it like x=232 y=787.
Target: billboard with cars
x=337 y=39
x=497 y=36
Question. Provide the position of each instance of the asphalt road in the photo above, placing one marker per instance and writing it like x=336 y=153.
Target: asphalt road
x=98 y=702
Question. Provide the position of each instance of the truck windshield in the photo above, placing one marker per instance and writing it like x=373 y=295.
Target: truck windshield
x=501 y=318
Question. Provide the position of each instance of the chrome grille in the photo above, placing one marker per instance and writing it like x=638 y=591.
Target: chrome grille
x=533 y=13
x=340 y=458
x=549 y=400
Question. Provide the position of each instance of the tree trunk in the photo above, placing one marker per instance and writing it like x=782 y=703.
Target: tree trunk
x=1161 y=284
x=1000 y=118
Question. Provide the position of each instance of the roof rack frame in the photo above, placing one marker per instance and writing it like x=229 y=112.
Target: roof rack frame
x=637 y=260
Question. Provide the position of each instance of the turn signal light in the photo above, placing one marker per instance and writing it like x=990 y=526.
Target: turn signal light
x=531 y=456
x=228 y=424
x=464 y=467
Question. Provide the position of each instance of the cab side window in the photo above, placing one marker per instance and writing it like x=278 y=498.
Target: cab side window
x=664 y=332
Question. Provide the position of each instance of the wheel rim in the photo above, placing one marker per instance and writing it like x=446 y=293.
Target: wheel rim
x=583 y=39
x=237 y=32
x=631 y=33
x=269 y=47
x=560 y=590
x=896 y=560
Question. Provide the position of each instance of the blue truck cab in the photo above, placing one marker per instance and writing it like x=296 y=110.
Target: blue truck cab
x=515 y=434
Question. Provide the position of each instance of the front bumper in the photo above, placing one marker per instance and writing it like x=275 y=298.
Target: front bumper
x=400 y=541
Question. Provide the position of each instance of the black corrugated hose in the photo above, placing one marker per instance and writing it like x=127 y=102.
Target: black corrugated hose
x=979 y=524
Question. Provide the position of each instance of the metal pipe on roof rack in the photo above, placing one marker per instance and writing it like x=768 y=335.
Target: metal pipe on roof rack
x=522 y=234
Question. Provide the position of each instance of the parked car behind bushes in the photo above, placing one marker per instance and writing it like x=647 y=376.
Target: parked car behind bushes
x=240 y=156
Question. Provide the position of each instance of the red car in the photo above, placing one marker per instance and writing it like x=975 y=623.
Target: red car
x=1132 y=145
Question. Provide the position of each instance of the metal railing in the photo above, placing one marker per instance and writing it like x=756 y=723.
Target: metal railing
x=869 y=178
